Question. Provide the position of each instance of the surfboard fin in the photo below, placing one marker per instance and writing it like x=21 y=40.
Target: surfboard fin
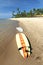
x=20 y=48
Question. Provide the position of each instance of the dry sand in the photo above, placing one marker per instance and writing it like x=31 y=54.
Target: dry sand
x=33 y=28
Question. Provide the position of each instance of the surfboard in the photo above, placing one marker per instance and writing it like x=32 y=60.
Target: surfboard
x=23 y=45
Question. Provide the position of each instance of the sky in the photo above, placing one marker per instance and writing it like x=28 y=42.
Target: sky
x=7 y=6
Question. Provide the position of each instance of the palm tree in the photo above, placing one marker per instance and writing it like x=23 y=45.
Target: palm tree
x=31 y=13
x=13 y=14
x=18 y=10
x=23 y=14
x=38 y=12
x=34 y=10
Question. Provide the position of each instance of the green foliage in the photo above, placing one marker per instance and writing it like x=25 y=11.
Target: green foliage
x=31 y=13
x=23 y=14
x=17 y=15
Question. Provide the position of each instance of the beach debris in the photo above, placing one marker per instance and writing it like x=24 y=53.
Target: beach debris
x=19 y=29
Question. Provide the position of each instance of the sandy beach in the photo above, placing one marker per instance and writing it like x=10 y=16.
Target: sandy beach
x=33 y=29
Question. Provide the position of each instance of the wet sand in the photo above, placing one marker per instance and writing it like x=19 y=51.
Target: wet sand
x=33 y=28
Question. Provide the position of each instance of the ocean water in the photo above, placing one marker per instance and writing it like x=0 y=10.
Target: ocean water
x=7 y=32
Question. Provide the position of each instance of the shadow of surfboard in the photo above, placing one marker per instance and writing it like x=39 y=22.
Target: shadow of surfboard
x=30 y=45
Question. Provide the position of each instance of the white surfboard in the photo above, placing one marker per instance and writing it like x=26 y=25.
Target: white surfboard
x=23 y=45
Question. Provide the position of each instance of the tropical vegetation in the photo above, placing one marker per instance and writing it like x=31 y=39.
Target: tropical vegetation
x=32 y=13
